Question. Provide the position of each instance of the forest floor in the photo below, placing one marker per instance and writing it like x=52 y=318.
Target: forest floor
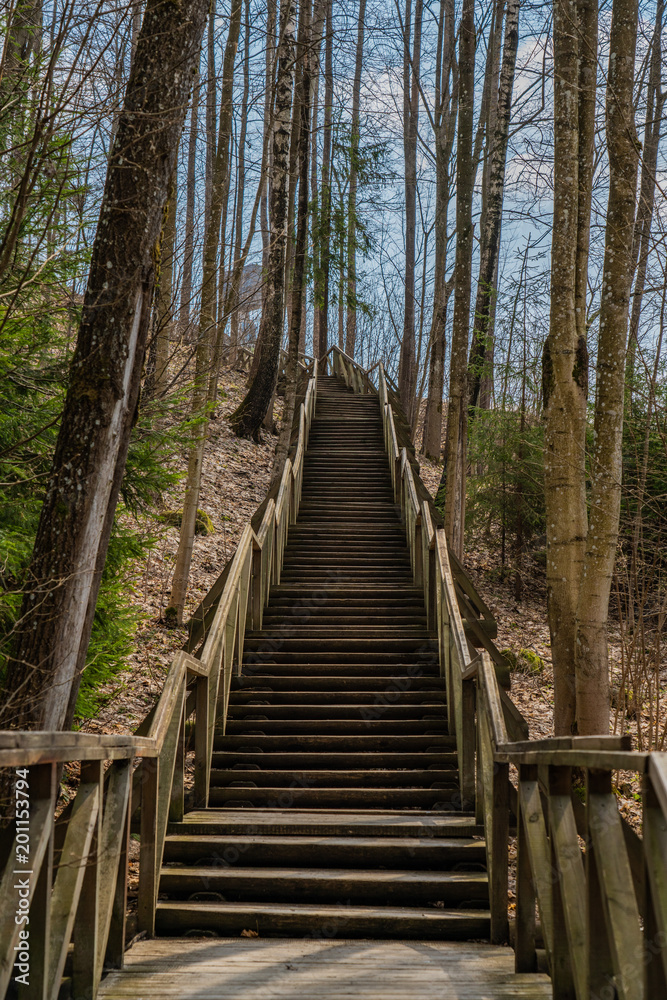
x=235 y=479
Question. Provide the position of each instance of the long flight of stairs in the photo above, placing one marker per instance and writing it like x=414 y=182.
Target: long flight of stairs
x=334 y=807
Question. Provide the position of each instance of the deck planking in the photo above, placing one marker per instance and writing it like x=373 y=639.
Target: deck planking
x=315 y=969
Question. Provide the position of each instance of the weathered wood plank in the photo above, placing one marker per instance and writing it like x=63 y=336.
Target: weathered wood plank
x=81 y=830
x=300 y=969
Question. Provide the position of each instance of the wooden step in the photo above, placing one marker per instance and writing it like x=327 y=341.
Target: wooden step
x=289 y=797
x=331 y=920
x=335 y=742
x=438 y=853
x=262 y=777
x=327 y=885
x=334 y=823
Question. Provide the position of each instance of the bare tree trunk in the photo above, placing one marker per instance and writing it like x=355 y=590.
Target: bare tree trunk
x=406 y=368
x=564 y=379
x=655 y=104
x=207 y=322
x=319 y=15
x=302 y=101
x=455 y=441
x=188 y=243
x=481 y=351
x=592 y=665
x=165 y=299
x=445 y=115
x=240 y=180
x=351 y=333
x=322 y=277
x=211 y=99
x=247 y=418
x=100 y=406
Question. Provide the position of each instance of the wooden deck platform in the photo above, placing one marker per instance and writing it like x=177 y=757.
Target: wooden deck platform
x=311 y=969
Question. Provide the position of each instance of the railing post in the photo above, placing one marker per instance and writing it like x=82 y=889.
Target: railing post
x=86 y=924
x=43 y=789
x=147 y=896
x=525 y=953
x=201 y=743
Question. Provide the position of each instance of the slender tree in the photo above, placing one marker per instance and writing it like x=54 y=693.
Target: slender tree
x=444 y=123
x=482 y=349
x=351 y=331
x=324 y=248
x=247 y=418
x=592 y=662
x=411 y=59
x=453 y=485
x=565 y=372
x=302 y=101
x=188 y=243
x=207 y=321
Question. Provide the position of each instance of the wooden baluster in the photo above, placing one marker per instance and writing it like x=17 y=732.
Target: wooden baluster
x=655 y=914
x=468 y=738
x=256 y=609
x=148 y=875
x=177 y=797
x=569 y=962
x=112 y=950
x=525 y=953
x=43 y=789
x=202 y=747
x=86 y=924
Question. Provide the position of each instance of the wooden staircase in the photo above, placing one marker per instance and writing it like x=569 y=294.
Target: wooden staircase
x=334 y=805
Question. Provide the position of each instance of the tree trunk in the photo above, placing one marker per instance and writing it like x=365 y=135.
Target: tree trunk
x=406 y=367
x=165 y=304
x=207 y=322
x=240 y=182
x=100 y=406
x=445 y=115
x=655 y=103
x=455 y=441
x=322 y=277
x=319 y=15
x=351 y=332
x=188 y=243
x=592 y=666
x=564 y=380
x=247 y=418
x=302 y=101
x=481 y=351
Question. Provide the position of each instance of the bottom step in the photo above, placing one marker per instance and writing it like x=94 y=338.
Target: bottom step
x=323 y=921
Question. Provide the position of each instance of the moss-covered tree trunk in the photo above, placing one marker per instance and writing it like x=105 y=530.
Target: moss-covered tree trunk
x=101 y=402
x=247 y=418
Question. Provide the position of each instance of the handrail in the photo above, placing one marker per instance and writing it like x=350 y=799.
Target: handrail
x=602 y=908
x=87 y=890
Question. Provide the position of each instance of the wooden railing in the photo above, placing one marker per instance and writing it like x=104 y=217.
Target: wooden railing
x=591 y=894
x=67 y=869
